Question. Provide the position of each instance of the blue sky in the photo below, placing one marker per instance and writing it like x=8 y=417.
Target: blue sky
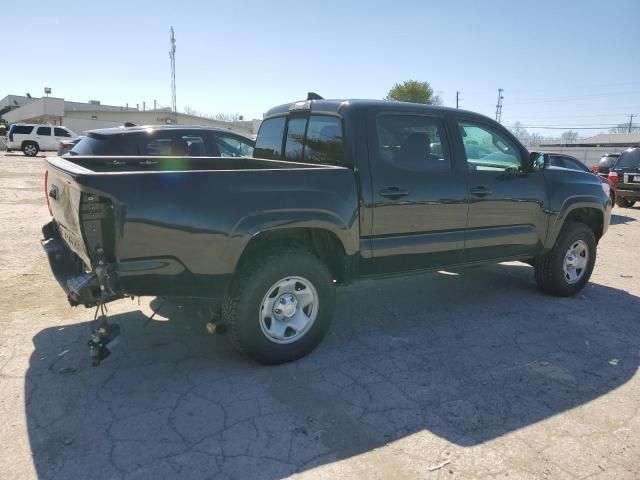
x=561 y=63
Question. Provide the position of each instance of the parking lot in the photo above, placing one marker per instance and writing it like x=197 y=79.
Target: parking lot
x=459 y=374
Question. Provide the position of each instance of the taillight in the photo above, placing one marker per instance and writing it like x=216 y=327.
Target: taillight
x=613 y=177
x=46 y=190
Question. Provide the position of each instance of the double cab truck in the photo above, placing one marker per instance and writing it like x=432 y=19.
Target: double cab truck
x=336 y=190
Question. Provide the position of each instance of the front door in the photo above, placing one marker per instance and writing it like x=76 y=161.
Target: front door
x=419 y=197
x=45 y=140
x=506 y=201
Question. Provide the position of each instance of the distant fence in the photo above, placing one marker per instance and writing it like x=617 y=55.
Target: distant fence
x=589 y=155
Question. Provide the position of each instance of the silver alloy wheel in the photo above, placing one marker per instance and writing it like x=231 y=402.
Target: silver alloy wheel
x=30 y=150
x=575 y=261
x=288 y=310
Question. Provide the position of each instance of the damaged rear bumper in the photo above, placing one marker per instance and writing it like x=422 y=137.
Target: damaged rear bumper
x=80 y=286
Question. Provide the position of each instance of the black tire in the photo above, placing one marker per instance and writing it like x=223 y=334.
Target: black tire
x=254 y=280
x=625 y=202
x=613 y=198
x=549 y=272
x=30 y=149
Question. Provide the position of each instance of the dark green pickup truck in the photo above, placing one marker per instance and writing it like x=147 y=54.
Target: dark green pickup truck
x=337 y=190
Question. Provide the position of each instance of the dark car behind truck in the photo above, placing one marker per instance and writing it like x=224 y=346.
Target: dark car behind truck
x=625 y=173
x=342 y=190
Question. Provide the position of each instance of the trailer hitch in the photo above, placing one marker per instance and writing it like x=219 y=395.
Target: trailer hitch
x=104 y=337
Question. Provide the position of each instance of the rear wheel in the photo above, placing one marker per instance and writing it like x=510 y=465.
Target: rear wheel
x=280 y=306
x=30 y=149
x=625 y=202
x=566 y=269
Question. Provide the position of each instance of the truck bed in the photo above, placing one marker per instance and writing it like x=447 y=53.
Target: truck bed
x=177 y=226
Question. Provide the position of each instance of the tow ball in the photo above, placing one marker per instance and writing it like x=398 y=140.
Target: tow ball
x=103 y=338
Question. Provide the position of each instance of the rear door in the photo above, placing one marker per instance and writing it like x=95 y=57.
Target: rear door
x=419 y=193
x=506 y=202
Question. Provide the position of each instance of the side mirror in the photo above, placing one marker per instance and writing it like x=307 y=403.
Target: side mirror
x=538 y=161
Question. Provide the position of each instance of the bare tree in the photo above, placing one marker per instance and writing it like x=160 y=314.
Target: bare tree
x=624 y=128
x=535 y=139
x=570 y=136
x=520 y=132
x=221 y=117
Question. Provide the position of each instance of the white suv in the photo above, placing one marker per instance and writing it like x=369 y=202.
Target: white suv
x=31 y=138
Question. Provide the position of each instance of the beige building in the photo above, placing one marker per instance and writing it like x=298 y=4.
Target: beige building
x=79 y=116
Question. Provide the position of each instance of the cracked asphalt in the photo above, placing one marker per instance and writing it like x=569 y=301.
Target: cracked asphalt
x=461 y=374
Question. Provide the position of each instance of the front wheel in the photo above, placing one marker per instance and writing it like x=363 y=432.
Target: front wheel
x=280 y=306
x=566 y=269
x=625 y=202
x=30 y=149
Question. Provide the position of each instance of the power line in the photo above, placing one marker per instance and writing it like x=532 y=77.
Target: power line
x=562 y=127
x=572 y=98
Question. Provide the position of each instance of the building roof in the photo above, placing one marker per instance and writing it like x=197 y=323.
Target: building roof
x=605 y=140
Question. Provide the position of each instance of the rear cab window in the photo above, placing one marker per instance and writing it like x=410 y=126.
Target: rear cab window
x=308 y=139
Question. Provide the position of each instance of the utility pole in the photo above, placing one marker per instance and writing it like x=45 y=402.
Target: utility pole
x=630 y=122
x=457 y=99
x=499 y=105
x=172 y=56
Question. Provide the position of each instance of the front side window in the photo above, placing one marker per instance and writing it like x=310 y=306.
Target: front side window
x=233 y=146
x=61 y=132
x=413 y=142
x=46 y=131
x=174 y=145
x=269 y=141
x=487 y=149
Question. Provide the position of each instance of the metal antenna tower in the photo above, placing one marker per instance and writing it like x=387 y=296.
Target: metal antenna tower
x=172 y=56
x=499 y=105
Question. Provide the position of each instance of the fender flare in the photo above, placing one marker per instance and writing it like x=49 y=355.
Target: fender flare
x=558 y=218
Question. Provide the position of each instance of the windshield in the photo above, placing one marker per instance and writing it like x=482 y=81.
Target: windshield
x=629 y=159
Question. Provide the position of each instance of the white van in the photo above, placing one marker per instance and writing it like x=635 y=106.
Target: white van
x=33 y=138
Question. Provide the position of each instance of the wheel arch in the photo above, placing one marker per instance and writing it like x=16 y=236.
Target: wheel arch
x=584 y=211
x=322 y=242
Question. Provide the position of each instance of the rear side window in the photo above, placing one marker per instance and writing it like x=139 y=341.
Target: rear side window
x=61 y=132
x=44 y=131
x=20 y=129
x=269 y=141
x=630 y=159
x=413 y=142
x=106 y=145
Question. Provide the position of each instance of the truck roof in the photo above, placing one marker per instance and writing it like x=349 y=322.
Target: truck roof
x=336 y=106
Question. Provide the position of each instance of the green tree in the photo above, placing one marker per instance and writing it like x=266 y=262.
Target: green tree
x=411 y=91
